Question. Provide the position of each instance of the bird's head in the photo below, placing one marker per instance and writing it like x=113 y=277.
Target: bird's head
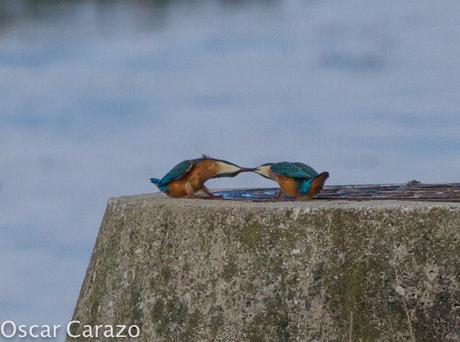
x=264 y=170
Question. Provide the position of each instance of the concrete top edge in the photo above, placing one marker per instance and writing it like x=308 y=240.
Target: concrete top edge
x=158 y=198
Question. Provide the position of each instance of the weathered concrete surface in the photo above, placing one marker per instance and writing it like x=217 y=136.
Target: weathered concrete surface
x=197 y=270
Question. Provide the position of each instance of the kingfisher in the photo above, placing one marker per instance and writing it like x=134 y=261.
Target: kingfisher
x=189 y=176
x=295 y=179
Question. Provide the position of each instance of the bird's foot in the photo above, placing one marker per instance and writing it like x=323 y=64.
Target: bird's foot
x=210 y=194
x=278 y=195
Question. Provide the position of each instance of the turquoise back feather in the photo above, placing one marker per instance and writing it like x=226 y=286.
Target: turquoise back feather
x=307 y=169
x=177 y=172
x=294 y=170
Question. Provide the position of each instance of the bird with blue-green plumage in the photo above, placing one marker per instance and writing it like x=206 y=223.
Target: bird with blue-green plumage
x=189 y=176
x=295 y=179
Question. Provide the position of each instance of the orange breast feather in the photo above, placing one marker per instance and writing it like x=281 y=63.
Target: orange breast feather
x=288 y=185
x=201 y=172
x=177 y=188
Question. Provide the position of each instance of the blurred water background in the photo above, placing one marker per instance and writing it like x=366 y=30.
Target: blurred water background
x=98 y=96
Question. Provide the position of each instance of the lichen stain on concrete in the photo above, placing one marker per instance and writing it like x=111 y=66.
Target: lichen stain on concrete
x=194 y=270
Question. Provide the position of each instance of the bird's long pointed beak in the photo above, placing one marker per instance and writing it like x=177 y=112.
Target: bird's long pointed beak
x=263 y=170
x=248 y=169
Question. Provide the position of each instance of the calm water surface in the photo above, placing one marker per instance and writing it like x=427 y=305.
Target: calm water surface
x=96 y=97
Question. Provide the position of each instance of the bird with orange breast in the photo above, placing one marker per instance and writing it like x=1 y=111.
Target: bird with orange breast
x=189 y=176
x=295 y=179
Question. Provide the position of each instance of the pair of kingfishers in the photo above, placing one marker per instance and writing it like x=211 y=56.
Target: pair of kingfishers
x=188 y=177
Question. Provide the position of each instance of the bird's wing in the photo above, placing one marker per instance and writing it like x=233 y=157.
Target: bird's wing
x=294 y=170
x=177 y=171
x=308 y=169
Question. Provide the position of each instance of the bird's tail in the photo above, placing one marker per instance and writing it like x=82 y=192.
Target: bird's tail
x=155 y=181
x=318 y=182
